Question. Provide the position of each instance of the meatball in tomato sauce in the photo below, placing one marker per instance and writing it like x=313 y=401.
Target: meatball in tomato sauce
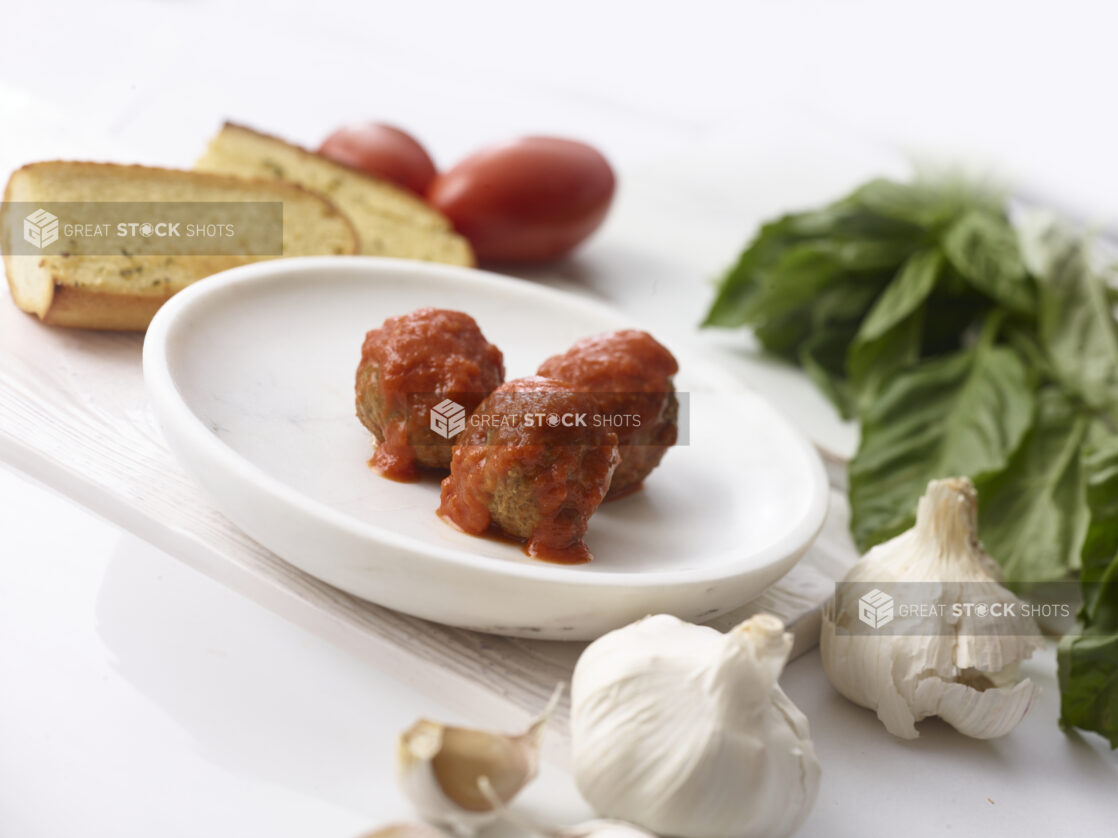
x=630 y=373
x=410 y=365
x=534 y=463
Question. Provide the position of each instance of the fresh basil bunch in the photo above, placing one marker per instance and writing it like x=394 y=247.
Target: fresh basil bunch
x=964 y=346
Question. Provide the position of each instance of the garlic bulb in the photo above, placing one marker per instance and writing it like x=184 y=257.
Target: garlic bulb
x=439 y=766
x=683 y=730
x=954 y=642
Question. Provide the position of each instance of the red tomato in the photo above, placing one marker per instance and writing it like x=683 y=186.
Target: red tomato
x=382 y=151
x=526 y=200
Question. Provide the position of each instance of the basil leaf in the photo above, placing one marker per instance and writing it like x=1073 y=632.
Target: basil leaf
x=797 y=277
x=925 y=205
x=1033 y=515
x=1088 y=663
x=740 y=283
x=783 y=335
x=963 y=414
x=844 y=306
x=903 y=295
x=1099 y=565
x=838 y=240
x=890 y=336
x=871 y=364
x=857 y=218
x=835 y=317
x=953 y=316
x=983 y=248
x=1025 y=340
x=816 y=356
x=1076 y=320
x=1088 y=668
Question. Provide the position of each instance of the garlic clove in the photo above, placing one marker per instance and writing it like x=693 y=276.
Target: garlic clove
x=603 y=828
x=981 y=714
x=439 y=766
x=458 y=756
x=406 y=829
x=598 y=828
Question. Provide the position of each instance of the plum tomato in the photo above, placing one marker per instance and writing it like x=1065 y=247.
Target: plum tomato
x=526 y=200
x=382 y=151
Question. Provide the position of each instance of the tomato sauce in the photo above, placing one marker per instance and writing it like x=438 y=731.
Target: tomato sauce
x=409 y=365
x=516 y=471
x=631 y=374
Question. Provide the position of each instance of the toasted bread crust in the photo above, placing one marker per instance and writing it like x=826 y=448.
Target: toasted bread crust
x=39 y=306
x=432 y=219
x=192 y=176
x=106 y=310
x=420 y=205
x=59 y=299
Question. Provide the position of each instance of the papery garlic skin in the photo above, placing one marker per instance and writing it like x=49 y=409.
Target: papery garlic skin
x=439 y=767
x=599 y=828
x=949 y=667
x=415 y=771
x=684 y=730
x=602 y=828
x=406 y=829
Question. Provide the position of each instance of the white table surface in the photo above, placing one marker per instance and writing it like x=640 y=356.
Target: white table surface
x=141 y=698
x=138 y=697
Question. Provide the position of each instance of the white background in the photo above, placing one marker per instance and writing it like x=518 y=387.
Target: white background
x=1027 y=86
x=137 y=698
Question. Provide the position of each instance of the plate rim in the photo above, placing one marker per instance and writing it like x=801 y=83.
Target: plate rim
x=172 y=406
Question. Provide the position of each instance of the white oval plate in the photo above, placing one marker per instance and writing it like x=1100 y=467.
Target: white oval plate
x=251 y=376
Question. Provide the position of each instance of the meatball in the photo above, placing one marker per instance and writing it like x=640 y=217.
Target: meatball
x=631 y=374
x=408 y=366
x=534 y=462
